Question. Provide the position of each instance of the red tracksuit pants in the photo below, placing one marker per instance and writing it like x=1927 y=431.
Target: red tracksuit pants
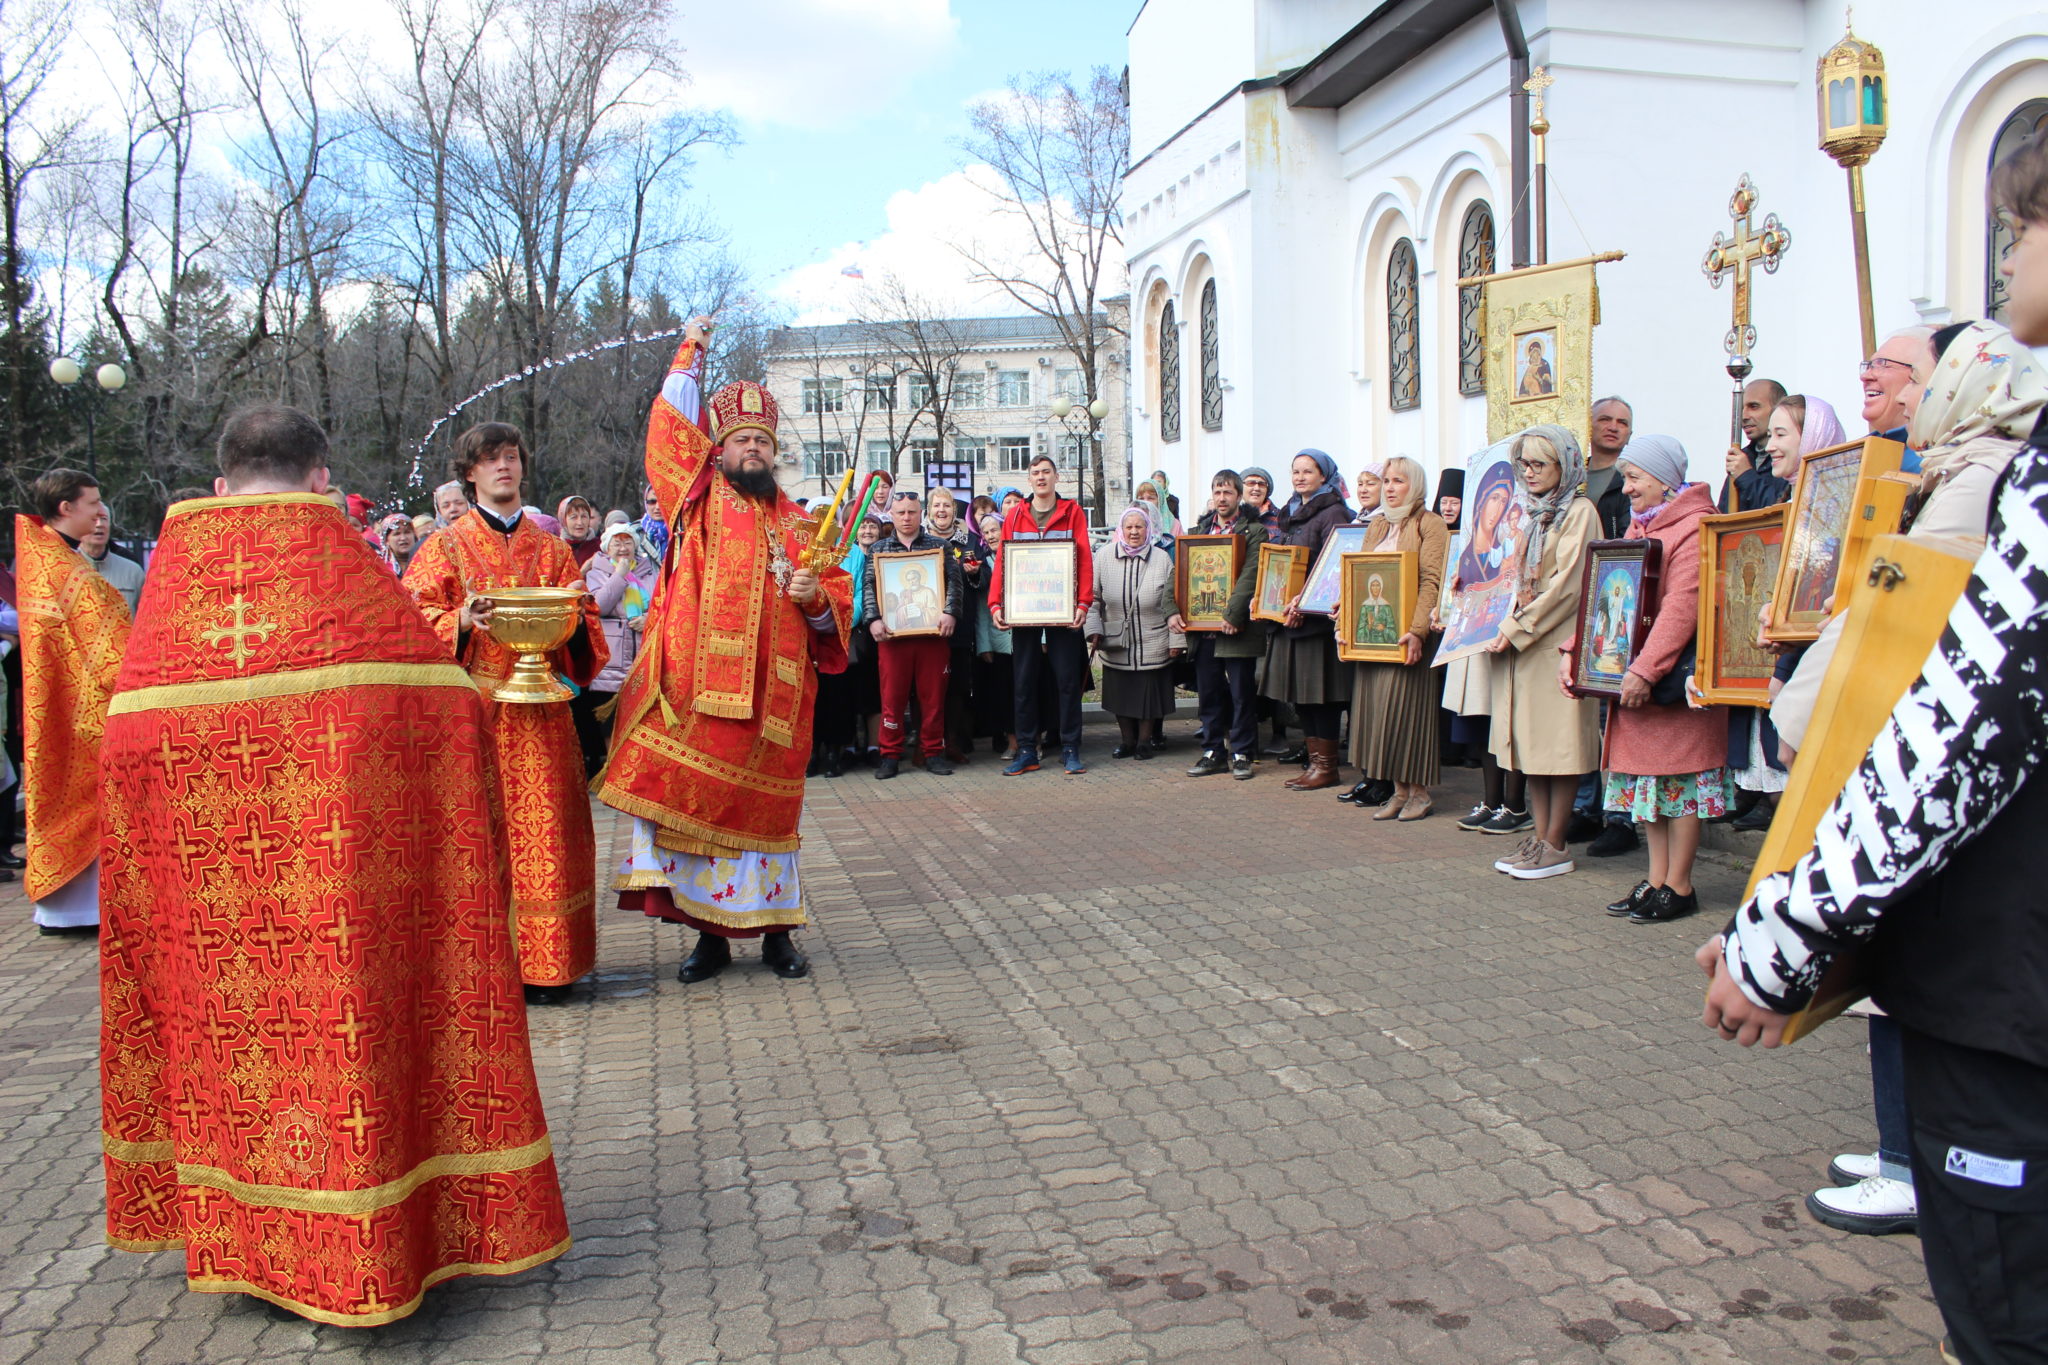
x=918 y=663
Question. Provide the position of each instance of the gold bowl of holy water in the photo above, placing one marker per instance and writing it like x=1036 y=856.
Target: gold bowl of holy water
x=533 y=621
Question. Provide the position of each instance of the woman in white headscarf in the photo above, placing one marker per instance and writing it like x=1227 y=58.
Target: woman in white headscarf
x=1393 y=706
x=1548 y=736
x=1130 y=627
x=1986 y=393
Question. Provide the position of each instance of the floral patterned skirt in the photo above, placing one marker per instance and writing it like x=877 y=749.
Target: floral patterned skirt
x=1649 y=799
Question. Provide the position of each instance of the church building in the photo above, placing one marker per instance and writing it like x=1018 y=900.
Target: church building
x=1311 y=178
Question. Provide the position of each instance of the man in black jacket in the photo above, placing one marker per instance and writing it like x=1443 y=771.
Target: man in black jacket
x=1759 y=398
x=920 y=659
x=1932 y=859
x=1613 y=422
x=1227 y=661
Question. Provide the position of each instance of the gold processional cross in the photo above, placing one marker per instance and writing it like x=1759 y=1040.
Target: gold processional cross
x=1736 y=256
x=236 y=636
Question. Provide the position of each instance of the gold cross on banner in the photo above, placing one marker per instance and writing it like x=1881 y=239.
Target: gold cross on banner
x=1737 y=254
x=238 y=634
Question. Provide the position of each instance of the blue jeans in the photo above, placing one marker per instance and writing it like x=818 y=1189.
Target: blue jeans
x=1888 y=1098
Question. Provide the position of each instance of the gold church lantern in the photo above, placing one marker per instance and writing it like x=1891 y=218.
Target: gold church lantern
x=1853 y=105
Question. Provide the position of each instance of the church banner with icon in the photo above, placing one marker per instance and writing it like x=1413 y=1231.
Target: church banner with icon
x=1538 y=324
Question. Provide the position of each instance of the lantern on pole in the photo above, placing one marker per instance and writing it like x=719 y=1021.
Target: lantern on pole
x=1854 y=103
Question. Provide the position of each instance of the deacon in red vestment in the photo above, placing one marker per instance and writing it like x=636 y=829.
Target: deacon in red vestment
x=74 y=627
x=540 y=763
x=314 y=1061
x=714 y=723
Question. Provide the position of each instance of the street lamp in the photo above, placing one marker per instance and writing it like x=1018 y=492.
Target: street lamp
x=1063 y=405
x=109 y=378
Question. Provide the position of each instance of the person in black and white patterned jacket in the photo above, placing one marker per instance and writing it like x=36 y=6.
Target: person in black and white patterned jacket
x=1933 y=860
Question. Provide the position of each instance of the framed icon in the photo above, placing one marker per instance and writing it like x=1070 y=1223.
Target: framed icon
x=1376 y=603
x=1038 y=582
x=1739 y=556
x=1614 y=612
x=1535 y=361
x=1205 y=570
x=1320 y=593
x=1282 y=571
x=1841 y=500
x=910 y=591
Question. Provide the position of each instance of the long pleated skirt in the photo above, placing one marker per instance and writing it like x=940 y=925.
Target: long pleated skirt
x=1305 y=670
x=1393 y=723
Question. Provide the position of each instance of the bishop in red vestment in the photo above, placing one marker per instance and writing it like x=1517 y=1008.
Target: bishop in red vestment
x=314 y=1060
x=714 y=723
x=540 y=764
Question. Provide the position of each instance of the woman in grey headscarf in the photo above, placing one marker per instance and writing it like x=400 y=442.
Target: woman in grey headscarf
x=1538 y=731
x=1302 y=668
x=1131 y=627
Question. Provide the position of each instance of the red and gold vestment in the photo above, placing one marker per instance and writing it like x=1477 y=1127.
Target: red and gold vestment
x=74 y=629
x=314 y=1060
x=540 y=765
x=714 y=722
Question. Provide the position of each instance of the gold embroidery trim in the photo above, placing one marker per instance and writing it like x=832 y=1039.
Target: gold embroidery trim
x=122 y=1150
x=179 y=509
x=222 y=691
x=377 y=1319
x=376 y=1197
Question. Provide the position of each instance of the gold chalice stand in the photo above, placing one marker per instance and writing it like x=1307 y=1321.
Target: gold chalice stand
x=533 y=621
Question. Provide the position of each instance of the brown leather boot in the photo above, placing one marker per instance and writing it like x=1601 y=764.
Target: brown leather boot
x=1294 y=783
x=1322 y=766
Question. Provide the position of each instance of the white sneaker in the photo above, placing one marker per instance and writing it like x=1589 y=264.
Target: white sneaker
x=1851 y=1167
x=1543 y=861
x=1875 y=1206
x=1523 y=852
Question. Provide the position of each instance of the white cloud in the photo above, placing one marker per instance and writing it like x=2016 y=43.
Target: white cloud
x=932 y=231
x=812 y=63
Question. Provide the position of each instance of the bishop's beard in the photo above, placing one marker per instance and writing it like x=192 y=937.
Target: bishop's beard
x=757 y=483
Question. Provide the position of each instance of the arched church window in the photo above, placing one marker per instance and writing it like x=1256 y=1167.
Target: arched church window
x=1475 y=257
x=1212 y=363
x=1404 y=329
x=1169 y=376
x=2029 y=120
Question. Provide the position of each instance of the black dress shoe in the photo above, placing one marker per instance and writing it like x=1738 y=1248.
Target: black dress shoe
x=1145 y=751
x=937 y=766
x=1583 y=827
x=782 y=958
x=547 y=995
x=1350 y=798
x=1376 y=793
x=832 y=768
x=1664 y=904
x=1298 y=754
x=1123 y=751
x=885 y=769
x=1756 y=820
x=711 y=956
x=1209 y=763
x=1627 y=904
x=13 y=860
x=1612 y=842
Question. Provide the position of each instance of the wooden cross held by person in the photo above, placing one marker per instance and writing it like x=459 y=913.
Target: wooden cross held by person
x=1735 y=256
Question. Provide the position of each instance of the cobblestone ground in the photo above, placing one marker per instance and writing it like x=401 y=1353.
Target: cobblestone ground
x=1127 y=1067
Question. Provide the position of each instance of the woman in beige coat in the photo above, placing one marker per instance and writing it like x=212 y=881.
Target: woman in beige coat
x=1539 y=730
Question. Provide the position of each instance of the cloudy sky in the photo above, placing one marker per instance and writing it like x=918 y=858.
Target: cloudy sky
x=851 y=113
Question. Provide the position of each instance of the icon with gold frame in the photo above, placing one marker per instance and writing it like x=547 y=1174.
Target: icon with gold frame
x=1840 y=502
x=1205 y=570
x=1739 y=556
x=1376 y=603
x=1038 y=583
x=910 y=591
x=1616 y=596
x=1282 y=571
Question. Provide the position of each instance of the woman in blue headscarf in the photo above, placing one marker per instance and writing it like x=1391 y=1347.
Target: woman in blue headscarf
x=1301 y=666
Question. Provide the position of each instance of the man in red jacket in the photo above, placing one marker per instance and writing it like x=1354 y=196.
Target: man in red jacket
x=1037 y=650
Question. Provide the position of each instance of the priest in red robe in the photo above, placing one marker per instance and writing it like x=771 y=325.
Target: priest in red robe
x=74 y=628
x=714 y=722
x=540 y=763
x=314 y=1060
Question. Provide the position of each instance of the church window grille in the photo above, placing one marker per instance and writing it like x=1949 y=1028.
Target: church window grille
x=1404 y=331
x=1169 y=376
x=1475 y=257
x=2030 y=120
x=1212 y=363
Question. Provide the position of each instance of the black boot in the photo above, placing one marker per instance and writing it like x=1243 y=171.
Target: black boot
x=547 y=995
x=710 y=957
x=781 y=956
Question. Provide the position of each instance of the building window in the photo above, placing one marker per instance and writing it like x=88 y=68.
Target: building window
x=969 y=390
x=1169 y=376
x=1404 y=330
x=923 y=451
x=920 y=390
x=1013 y=388
x=826 y=460
x=1212 y=363
x=878 y=457
x=824 y=395
x=1067 y=384
x=882 y=391
x=1014 y=452
x=1475 y=257
x=973 y=448
x=2029 y=120
x=1067 y=450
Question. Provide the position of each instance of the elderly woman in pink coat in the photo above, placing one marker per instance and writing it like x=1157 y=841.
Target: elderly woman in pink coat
x=1666 y=763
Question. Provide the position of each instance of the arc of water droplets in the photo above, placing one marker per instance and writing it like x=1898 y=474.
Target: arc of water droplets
x=414 y=480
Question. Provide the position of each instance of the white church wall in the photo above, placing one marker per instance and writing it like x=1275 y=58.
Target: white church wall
x=1184 y=56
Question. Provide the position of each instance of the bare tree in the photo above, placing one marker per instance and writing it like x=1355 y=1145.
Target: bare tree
x=912 y=337
x=1059 y=153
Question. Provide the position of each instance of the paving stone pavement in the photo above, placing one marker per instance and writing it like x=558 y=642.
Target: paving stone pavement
x=1128 y=1067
